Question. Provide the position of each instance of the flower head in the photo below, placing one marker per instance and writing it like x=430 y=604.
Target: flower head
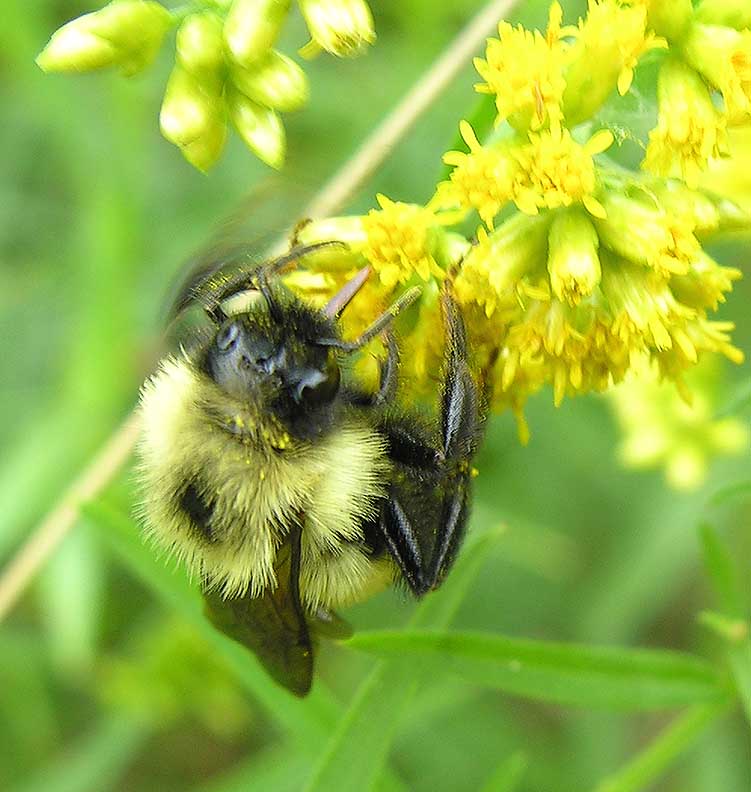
x=399 y=241
x=573 y=262
x=690 y=131
x=342 y=27
x=609 y=43
x=524 y=69
x=484 y=179
x=558 y=171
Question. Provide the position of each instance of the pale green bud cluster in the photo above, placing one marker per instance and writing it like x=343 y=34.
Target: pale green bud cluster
x=226 y=68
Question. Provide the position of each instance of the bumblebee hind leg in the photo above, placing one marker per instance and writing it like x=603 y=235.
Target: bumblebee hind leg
x=423 y=537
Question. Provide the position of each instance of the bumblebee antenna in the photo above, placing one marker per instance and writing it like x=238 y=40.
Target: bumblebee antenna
x=258 y=279
x=336 y=305
x=380 y=324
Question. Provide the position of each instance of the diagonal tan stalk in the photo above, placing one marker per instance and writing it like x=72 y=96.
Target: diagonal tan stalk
x=333 y=196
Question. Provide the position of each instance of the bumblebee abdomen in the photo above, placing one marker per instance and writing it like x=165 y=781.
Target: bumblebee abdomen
x=223 y=501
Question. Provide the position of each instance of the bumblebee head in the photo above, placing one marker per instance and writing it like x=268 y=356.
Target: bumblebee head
x=272 y=361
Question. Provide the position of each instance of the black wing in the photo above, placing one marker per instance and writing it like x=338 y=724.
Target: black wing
x=272 y=626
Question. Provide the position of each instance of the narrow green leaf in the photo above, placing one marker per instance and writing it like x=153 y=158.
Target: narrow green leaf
x=309 y=720
x=577 y=675
x=508 y=774
x=651 y=763
x=96 y=763
x=721 y=570
x=357 y=751
x=740 y=666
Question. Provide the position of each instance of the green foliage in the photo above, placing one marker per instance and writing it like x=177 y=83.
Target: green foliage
x=100 y=215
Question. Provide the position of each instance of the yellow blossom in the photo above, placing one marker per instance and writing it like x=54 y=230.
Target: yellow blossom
x=609 y=43
x=640 y=230
x=722 y=56
x=499 y=267
x=524 y=69
x=690 y=130
x=661 y=429
x=573 y=263
x=399 y=241
x=558 y=171
x=484 y=179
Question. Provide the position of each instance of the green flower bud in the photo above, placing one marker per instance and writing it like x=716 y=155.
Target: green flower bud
x=670 y=19
x=733 y=13
x=200 y=45
x=252 y=27
x=260 y=128
x=193 y=118
x=276 y=81
x=573 y=263
x=125 y=33
x=341 y=27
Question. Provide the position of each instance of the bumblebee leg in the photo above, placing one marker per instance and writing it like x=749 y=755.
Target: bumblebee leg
x=401 y=540
x=423 y=541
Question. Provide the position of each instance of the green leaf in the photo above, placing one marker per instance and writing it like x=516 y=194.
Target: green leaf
x=736 y=489
x=309 y=721
x=577 y=675
x=358 y=748
x=652 y=762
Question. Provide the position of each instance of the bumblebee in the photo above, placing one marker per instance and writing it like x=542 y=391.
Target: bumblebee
x=289 y=490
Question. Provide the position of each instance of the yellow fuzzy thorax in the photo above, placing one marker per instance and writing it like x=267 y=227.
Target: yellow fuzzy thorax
x=260 y=481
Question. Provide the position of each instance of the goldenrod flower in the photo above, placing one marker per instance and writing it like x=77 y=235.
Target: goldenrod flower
x=690 y=130
x=609 y=43
x=573 y=262
x=200 y=45
x=662 y=429
x=558 y=171
x=722 y=56
x=341 y=27
x=274 y=81
x=639 y=229
x=399 y=241
x=500 y=266
x=485 y=179
x=524 y=69
x=252 y=27
x=260 y=128
x=193 y=118
x=705 y=284
x=125 y=33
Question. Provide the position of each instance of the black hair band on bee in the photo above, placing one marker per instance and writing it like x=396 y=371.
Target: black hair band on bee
x=380 y=324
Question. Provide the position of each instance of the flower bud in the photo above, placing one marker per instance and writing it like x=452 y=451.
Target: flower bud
x=193 y=119
x=276 y=81
x=200 y=45
x=733 y=13
x=642 y=231
x=573 y=263
x=260 y=128
x=125 y=33
x=252 y=27
x=670 y=19
x=341 y=27
x=723 y=57
x=492 y=270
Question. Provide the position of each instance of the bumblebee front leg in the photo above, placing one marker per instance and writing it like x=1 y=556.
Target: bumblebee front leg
x=425 y=551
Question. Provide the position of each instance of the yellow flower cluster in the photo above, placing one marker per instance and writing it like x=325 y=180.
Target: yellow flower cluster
x=226 y=67
x=662 y=430
x=581 y=268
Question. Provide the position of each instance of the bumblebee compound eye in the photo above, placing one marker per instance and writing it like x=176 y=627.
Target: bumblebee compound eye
x=318 y=386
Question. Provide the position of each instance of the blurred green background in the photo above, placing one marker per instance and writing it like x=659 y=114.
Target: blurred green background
x=105 y=684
